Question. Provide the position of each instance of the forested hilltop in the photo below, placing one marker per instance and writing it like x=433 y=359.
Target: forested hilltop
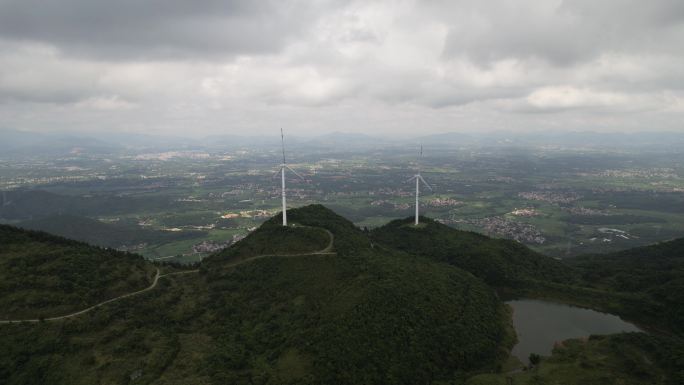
x=655 y=273
x=642 y=284
x=501 y=263
x=323 y=302
x=283 y=306
x=43 y=275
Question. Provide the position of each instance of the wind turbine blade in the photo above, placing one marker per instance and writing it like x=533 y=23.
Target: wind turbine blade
x=411 y=178
x=282 y=141
x=275 y=174
x=295 y=172
x=424 y=182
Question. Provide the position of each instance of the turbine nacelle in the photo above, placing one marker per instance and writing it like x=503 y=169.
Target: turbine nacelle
x=418 y=177
x=283 y=167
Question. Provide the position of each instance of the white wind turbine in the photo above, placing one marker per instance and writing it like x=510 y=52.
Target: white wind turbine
x=284 y=166
x=419 y=179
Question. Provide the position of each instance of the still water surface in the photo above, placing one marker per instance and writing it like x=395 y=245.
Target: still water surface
x=539 y=324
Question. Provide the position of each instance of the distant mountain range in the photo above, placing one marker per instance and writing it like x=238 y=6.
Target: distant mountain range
x=586 y=139
x=18 y=143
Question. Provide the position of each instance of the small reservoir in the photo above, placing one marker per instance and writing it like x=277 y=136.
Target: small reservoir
x=539 y=324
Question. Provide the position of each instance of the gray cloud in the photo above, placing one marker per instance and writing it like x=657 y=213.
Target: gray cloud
x=563 y=32
x=386 y=66
x=157 y=28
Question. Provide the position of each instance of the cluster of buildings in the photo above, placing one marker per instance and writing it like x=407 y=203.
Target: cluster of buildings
x=550 y=196
x=586 y=211
x=500 y=226
x=394 y=205
x=444 y=202
x=525 y=212
x=521 y=232
x=249 y=214
x=208 y=247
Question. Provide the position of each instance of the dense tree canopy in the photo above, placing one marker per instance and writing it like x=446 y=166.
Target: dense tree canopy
x=401 y=305
x=656 y=271
x=500 y=262
x=43 y=275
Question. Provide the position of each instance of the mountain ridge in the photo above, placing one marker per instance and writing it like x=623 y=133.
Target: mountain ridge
x=376 y=307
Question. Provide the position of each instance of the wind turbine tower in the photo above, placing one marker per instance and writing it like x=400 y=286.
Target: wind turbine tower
x=419 y=179
x=284 y=166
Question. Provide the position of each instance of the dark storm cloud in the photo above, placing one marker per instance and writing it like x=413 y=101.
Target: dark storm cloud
x=143 y=29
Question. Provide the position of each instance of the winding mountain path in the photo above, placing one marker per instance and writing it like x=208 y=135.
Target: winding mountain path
x=326 y=251
x=152 y=286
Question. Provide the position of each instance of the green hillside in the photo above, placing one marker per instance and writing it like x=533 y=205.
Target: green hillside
x=499 y=262
x=274 y=239
x=656 y=272
x=322 y=302
x=617 y=359
x=349 y=240
x=360 y=315
x=44 y=275
x=368 y=317
x=97 y=233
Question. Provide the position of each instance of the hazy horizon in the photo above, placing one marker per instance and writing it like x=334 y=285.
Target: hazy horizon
x=342 y=134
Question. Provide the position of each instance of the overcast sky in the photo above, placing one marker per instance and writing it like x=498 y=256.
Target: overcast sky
x=380 y=67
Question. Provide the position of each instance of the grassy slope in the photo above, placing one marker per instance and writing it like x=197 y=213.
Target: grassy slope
x=275 y=239
x=45 y=275
x=361 y=316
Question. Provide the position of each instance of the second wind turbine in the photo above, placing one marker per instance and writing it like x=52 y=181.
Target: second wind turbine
x=284 y=166
x=419 y=179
